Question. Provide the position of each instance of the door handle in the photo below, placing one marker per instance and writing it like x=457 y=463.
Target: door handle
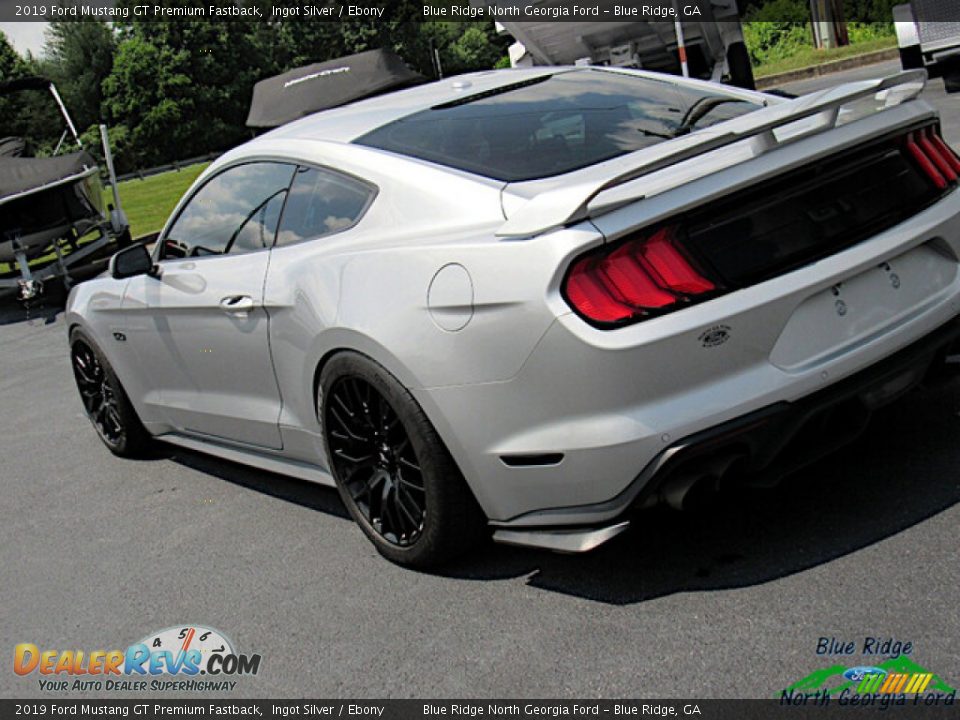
x=237 y=304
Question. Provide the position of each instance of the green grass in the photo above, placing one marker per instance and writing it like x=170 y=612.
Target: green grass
x=148 y=202
x=808 y=56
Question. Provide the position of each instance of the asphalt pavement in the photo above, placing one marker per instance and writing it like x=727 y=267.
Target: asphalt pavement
x=98 y=552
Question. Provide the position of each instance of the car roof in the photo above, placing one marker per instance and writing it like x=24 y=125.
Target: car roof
x=349 y=122
x=346 y=123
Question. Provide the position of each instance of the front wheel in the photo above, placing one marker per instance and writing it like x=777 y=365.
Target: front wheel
x=393 y=472
x=104 y=399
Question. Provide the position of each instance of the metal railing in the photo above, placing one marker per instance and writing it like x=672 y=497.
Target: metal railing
x=175 y=165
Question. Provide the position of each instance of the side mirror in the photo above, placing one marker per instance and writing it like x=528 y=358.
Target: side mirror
x=131 y=261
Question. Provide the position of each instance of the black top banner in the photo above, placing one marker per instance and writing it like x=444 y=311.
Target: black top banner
x=430 y=10
x=811 y=708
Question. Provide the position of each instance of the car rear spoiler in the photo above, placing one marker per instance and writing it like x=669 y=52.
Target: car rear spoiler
x=567 y=205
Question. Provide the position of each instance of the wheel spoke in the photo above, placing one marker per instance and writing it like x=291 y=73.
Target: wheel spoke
x=414 y=522
x=356 y=469
x=412 y=465
x=343 y=405
x=406 y=482
x=350 y=439
x=86 y=368
x=385 y=518
x=342 y=454
x=359 y=405
x=384 y=413
x=114 y=418
x=83 y=372
x=353 y=435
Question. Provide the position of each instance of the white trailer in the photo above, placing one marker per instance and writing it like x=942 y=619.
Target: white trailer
x=929 y=37
x=709 y=43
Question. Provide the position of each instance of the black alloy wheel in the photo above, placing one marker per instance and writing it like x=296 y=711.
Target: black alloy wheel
x=104 y=399
x=375 y=460
x=99 y=399
x=394 y=474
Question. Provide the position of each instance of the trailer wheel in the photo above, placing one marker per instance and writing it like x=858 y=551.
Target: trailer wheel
x=950 y=70
x=911 y=58
x=738 y=63
x=124 y=239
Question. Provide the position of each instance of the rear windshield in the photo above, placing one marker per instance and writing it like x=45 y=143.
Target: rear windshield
x=554 y=124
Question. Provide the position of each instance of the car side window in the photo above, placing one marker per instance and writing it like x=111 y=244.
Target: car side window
x=322 y=202
x=235 y=212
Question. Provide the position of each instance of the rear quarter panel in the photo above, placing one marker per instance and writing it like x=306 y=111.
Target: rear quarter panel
x=368 y=288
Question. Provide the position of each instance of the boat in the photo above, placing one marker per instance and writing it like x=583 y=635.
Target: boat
x=53 y=216
x=305 y=90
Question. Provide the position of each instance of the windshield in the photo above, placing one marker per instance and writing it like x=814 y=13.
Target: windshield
x=554 y=124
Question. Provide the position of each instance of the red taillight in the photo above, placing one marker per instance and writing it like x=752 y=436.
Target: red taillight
x=925 y=163
x=593 y=297
x=668 y=266
x=934 y=157
x=945 y=151
x=640 y=277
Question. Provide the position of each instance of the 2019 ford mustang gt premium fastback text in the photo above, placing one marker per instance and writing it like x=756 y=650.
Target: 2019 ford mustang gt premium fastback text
x=530 y=302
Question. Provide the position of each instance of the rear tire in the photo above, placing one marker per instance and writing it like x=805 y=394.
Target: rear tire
x=911 y=58
x=738 y=63
x=104 y=399
x=950 y=69
x=392 y=470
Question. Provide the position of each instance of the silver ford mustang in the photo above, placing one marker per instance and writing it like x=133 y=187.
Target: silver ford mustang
x=530 y=302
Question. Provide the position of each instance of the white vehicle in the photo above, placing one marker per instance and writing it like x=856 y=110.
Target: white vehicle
x=928 y=34
x=708 y=45
x=530 y=302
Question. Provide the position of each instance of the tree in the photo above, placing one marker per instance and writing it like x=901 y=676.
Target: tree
x=183 y=88
x=29 y=114
x=79 y=57
x=476 y=48
x=12 y=66
x=179 y=88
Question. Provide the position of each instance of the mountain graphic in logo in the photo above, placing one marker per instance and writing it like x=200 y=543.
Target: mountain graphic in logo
x=899 y=674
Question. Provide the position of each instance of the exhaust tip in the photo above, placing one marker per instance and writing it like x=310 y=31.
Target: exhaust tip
x=692 y=486
x=689 y=492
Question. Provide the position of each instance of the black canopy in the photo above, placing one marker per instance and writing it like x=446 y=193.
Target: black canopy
x=19 y=174
x=300 y=92
x=32 y=82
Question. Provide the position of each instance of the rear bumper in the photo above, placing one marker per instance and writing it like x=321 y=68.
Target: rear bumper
x=561 y=442
x=757 y=449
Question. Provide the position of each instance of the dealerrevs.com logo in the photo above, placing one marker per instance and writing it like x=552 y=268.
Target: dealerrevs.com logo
x=182 y=658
